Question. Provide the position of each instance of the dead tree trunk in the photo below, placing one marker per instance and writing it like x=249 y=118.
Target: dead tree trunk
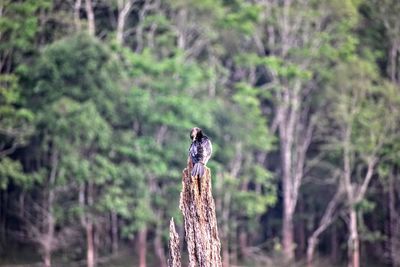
x=200 y=221
x=198 y=208
x=174 y=259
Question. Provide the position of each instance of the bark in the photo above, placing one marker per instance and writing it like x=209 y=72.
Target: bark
x=77 y=10
x=354 y=241
x=90 y=244
x=244 y=253
x=123 y=14
x=114 y=232
x=392 y=63
x=90 y=229
x=287 y=236
x=49 y=236
x=142 y=247
x=174 y=259
x=147 y=7
x=90 y=17
x=286 y=140
x=326 y=220
x=301 y=231
x=96 y=241
x=197 y=206
x=47 y=258
x=295 y=131
x=159 y=249
x=355 y=193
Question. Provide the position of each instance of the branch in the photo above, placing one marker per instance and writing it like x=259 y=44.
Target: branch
x=122 y=19
x=370 y=171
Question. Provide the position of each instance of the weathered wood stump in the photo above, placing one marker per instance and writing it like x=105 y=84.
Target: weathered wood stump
x=200 y=221
x=174 y=259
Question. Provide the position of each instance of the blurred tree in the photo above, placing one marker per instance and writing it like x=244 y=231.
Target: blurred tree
x=16 y=126
x=294 y=42
x=364 y=125
x=170 y=88
x=74 y=121
x=245 y=189
x=386 y=13
x=19 y=25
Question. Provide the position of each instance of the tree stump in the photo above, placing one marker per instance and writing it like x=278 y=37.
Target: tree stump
x=174 y=259
x=200 y=221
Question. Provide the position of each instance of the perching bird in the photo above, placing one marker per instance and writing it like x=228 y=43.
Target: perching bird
x=200 y=151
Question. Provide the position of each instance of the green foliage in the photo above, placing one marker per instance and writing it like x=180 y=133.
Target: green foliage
x=16 y=126
x=241 y=17
x=15 y=122
x=364 y=206
x=78 y=67
x=11 y=170
x=19 y=25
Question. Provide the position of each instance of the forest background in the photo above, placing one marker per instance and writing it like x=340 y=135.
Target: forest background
x=299 y=97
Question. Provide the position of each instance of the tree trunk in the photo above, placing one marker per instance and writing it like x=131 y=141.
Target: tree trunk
x=47 y=258
x=287 y=236
x=243 y=243
x=197 y=206
x=96 y=242
x=325 y=221
x=225 y=254
x=123 y=13
x=287 y=227
x=312 y=243
x=159 y=249
x=301 y=231
x=114 y=232
x=286 y=141
x=90 y=17
x=90 y=257
x=49 y=237
x=142 y=247
x=77 y=17
x=354 y=242
x=174 y=259
x=392 y=62
x=90 y=244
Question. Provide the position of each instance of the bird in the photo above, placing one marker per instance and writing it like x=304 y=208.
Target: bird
x=199 y=151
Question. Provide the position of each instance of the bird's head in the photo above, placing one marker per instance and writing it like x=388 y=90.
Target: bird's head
x=196 y=134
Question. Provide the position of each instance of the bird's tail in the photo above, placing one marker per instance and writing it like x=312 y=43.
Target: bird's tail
x=198 y=170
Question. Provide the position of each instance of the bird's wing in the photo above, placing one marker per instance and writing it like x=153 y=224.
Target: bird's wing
x=207 y=150
x=193 y=150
